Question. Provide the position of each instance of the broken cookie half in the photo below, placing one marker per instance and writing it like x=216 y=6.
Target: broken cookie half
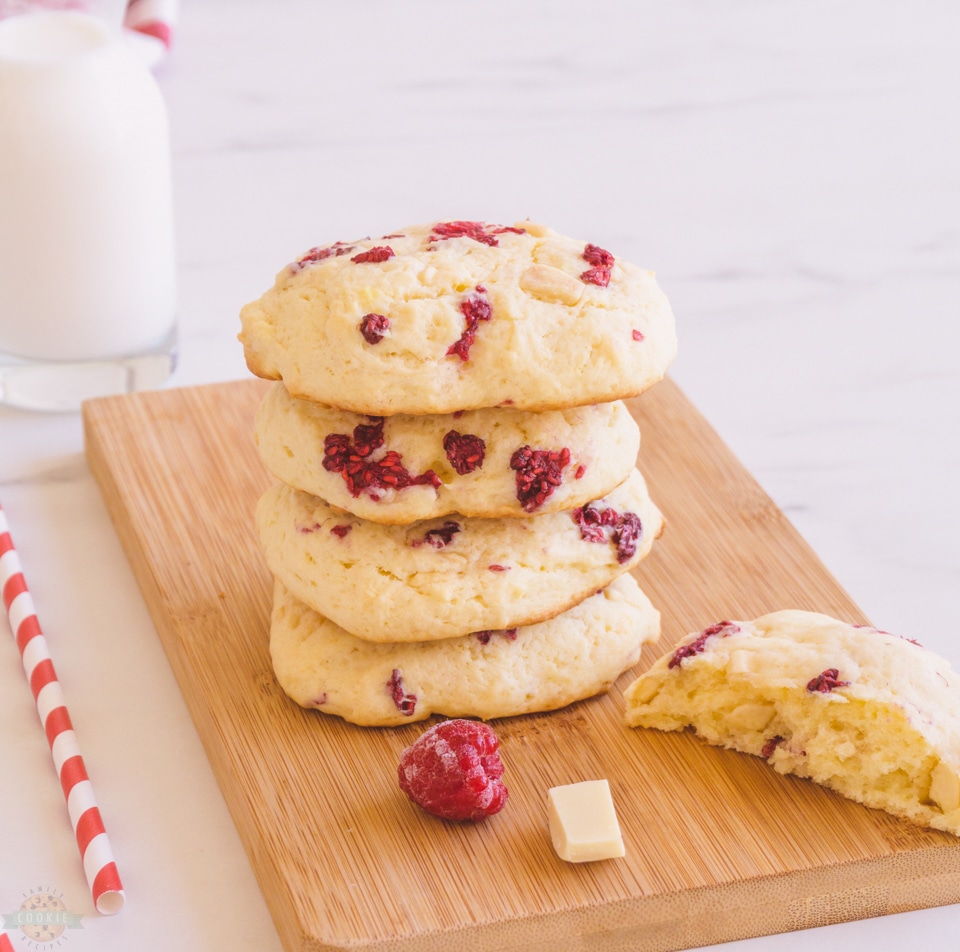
x=871 y=715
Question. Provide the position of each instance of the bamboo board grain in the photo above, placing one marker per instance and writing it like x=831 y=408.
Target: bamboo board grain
x=719 y=846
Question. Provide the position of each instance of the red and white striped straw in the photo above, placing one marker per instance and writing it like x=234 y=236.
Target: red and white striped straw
x=156 y=18
x=95 y=851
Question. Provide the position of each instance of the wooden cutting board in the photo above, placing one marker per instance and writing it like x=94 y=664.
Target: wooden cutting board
x=718 y=845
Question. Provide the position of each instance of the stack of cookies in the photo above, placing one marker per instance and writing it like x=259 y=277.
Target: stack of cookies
x=457 y=508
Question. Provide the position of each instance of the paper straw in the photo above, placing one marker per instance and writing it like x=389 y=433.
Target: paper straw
x=95 y=851
x=5 y=944
x=155 y=18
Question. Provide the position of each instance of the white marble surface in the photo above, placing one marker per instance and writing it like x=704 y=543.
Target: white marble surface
x=792 y=172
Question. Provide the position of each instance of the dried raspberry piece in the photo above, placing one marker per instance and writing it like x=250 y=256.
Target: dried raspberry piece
x=453 y=771
x=598 y=276
x=499 y=568
x=766 y=752
x=464 y=451
x=321 y=254
x=625 y=528
x=581 y=469
x=306 y=530
x=477 y=230
x=374 y=327
x=598 y=257
x=695 y=647
x=374 y=255
x=602 y=262
x=439 y=537
x=539 y=472
x=626 y=535
x=406 y=703
x=592 y=522
x=341 y=531
x=484 y=636
x=880 y=631
x=826 y=681
x=637 y=335
x=314 y=255
x=354 y=461
x=475 y=308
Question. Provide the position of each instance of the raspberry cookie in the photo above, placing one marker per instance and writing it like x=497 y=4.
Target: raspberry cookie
x=443 y=578
x=870 y=715
x=458 y=316
x=488 y=674
x=490 y=463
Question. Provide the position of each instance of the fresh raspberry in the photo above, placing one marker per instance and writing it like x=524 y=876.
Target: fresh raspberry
x=453 y=771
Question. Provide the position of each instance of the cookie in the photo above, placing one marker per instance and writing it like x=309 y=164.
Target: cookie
x=459 y=316
x=490 y=463
x=540 y=667
x=868 y=714
x=443 y=578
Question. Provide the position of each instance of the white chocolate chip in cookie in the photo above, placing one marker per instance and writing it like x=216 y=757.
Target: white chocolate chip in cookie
x=551 y=285
x=535 y=229
x=945 y=787
x=754 y=717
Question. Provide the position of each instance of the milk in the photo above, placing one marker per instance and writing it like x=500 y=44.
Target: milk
x=86 y=229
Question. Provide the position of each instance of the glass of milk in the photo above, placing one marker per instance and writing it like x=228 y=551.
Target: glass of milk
x=87 y=273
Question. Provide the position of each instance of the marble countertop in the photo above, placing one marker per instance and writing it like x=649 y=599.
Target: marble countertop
x=792 y=173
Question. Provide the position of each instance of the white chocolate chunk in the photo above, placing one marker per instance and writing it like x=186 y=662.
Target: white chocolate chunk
x=534 y=228
x=583 y=822
x=549 y=284
x=945 y=788
x=754 y=717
